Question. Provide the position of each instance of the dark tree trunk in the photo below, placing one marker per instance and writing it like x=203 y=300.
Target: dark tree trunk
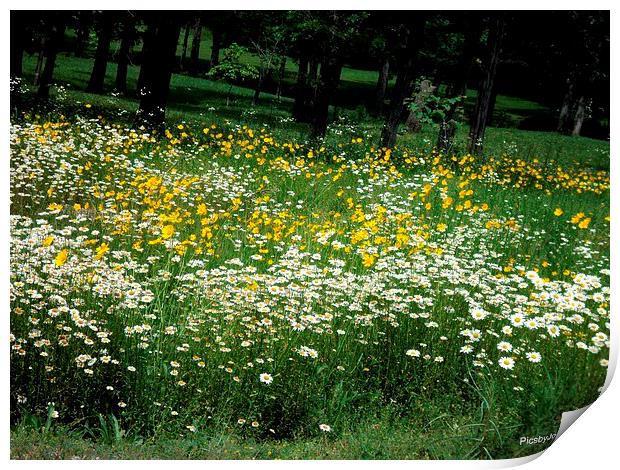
x=122 y=61
x=40 y=56
x=479 y=118
x=185 y=42
x=104 y=37
x=52 y=46
x=258 y=87
x=18 y=44
x=404 y=84
x=83 y=33
x=195 y=51
x=301 y=87
x=156 y=70
x=305 y=89
x=492 y=102
x=327 y=84
x=458 y=87
x=566 y=110
x=148 y=41
x=402 y=90
x=281 y=71
x=381 y=86
x=215 y=47
x=313 y=82
x=580 y=114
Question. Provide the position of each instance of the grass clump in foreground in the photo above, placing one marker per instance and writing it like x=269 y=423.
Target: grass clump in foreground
x=448 y=434
x=229 y=288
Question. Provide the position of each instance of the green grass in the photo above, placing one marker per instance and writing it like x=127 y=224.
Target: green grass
x=433 y=431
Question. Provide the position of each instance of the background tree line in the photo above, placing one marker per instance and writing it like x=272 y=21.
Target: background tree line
x=560 y=59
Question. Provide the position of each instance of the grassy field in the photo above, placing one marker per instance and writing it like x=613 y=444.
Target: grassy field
x=231 y=290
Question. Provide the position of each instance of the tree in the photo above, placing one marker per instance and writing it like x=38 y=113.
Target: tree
x=413 y=32
x=331 y=67
x=159 y=53
x=383 y=31
x=268 y=45
x=586 y=51
x=17 y=42
x=325 y=39
x=105 y=30
x=183 y=58
x=479 y=120
x=303 y=36
x=195 y=49
x=82 y=37
x=457 y=87
x=123 y=57
x=216 y=44
x=54 y=38
x=231 y=69
x=381 y=87
x=281 y=72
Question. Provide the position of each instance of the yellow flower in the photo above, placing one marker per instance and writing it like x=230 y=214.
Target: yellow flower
x=55 y=207
x=61 y=258
x=441 y=227
x=167 y=232
x=585 y=222
x=101 y=250
x=368 y=259
x=358 y=236
x=577 y=217
x=48 y=241
x=558 y=212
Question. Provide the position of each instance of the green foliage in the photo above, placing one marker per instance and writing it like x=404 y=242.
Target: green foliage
x=231 y=68
x=433 y=108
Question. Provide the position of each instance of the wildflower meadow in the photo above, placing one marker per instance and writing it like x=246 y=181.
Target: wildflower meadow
x=225 y=278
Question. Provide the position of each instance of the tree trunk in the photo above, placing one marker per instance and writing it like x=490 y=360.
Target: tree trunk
x=54 y=41
x=404 y=83
x=479 y=119
x=195 y=51
x=580 y=115
x=156 y=70
x=122 y=61
x=381 y=86
x=492 y=102
x=40 y=56
x=281 y=71
x=148 y=41
x=327 y=84
x=313 y=83
x=299 y=109
x=185 y=41
x=215 y=47
x=83 y=34
x=566 y=110
x=17 y=43
x=104 y=37
x=258 y=88
x=458 y=87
